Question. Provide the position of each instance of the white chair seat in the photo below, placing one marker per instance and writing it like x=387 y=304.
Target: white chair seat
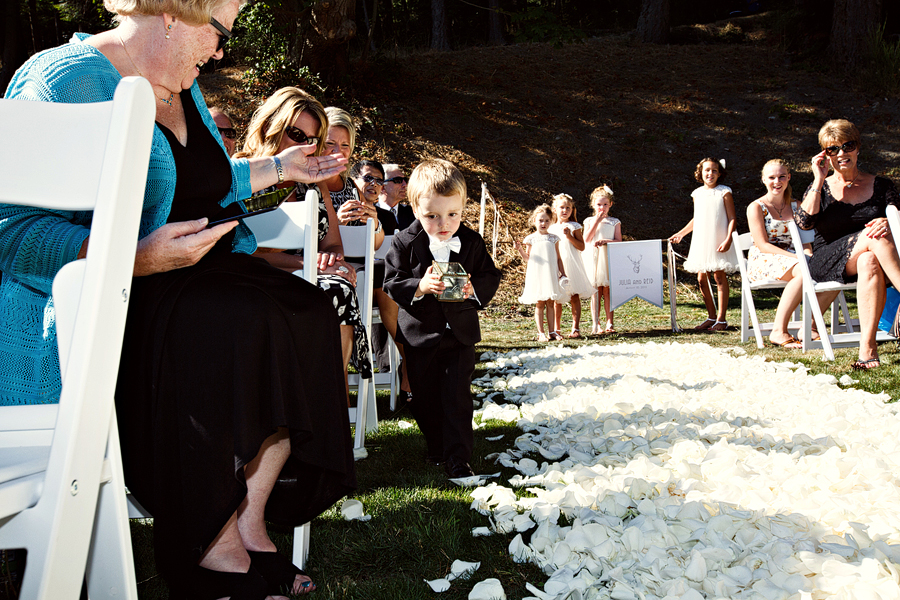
x=22 y=462
x=22 y=470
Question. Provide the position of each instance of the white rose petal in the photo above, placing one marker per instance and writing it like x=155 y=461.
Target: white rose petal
x=439 y=585
x=666 y=470
x=353 y=510
x=489 y=589
x=461 y=568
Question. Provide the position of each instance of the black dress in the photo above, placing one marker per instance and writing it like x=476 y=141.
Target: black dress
x=838 y=227
x=217 y=356
x=341 y=292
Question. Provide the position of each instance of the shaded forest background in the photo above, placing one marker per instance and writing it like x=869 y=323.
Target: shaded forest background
x=318 y=40
x=568 y=94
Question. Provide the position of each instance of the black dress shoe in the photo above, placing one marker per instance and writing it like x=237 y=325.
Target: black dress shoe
x=457 y=467
x=435 y=460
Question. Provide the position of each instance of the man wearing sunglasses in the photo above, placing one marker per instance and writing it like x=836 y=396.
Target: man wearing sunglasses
x=393 y=198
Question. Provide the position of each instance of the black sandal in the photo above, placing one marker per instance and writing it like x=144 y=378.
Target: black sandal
x=865 y=365
x=279 y=573
x=206 y=584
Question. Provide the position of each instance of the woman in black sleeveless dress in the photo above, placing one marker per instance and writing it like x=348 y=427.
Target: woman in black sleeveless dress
x=216 y=359
x=218 y=394
x=853 y=241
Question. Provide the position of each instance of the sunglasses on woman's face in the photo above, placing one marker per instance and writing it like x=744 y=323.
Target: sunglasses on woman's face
x=300 y=137
x=224 y=34
x=846 y=147
x=370 y=179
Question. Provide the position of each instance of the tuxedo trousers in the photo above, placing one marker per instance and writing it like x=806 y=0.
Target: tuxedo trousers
x=440 y=377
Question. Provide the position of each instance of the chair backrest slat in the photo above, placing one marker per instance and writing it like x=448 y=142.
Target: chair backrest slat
x=294 y=225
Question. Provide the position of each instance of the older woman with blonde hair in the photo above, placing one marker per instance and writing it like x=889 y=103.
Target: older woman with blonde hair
x=292 y=117
x=216 y=398
x=853 y=240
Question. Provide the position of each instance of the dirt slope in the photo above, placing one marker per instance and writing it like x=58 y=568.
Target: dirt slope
x=534 y=120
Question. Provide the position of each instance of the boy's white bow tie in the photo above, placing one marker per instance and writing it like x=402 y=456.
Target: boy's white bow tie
x=453 y=243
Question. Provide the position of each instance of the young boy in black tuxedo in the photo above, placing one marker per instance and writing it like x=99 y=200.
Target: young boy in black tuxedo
x=440 y=337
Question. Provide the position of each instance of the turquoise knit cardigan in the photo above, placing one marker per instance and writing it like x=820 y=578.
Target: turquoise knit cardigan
x=35 y=243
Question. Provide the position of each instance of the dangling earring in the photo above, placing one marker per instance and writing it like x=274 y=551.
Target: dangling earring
x=168 y=29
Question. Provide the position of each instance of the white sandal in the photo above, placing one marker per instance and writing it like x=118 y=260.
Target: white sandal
x=716 y=327
x=703 y=326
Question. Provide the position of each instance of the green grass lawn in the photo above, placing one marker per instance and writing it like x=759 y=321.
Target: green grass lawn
x=421 y=523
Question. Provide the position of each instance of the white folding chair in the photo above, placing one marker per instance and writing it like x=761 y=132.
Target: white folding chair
x=62 y=495
x=293 y=225
x=391 y=379
x=360 y=241
x=838 y=336
x=749 y=319
x=893 y=217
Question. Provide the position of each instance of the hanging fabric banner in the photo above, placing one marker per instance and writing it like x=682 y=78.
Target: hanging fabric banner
x=635 y=270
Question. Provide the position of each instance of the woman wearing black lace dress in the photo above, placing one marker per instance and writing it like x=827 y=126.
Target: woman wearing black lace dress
x=853 y=241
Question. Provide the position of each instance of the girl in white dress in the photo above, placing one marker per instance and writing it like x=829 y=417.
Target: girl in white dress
x=711 y=250
x=599 y=230
x=544 y=267
x=569 y=232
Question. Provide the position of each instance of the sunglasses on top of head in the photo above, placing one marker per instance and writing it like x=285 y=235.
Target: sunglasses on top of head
x=299 y=136
x=846 y=147
x=224 y=34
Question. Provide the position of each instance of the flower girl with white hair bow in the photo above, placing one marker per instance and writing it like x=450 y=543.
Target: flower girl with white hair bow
x=599 y=230
x=711 y=250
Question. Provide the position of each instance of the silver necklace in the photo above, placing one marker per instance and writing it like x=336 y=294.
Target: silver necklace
x=779 y=210
x=847 y=185
x=133 y=64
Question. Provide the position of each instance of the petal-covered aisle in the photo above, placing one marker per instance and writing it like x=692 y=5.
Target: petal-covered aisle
x=683 y=471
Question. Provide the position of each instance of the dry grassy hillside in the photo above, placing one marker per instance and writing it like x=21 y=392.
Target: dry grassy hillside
x=533 y=120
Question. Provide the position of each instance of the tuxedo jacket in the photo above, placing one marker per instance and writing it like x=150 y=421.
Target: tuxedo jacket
x=405 y=218
x=424 y=322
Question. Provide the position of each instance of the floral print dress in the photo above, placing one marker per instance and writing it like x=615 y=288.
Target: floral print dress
x=763 y=266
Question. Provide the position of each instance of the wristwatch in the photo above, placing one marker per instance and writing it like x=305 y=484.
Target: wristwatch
x=379 y=228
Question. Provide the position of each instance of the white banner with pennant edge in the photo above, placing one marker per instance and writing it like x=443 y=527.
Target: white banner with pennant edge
x=635 y=271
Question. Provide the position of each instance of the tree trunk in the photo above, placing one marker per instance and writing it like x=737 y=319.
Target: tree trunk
x=370 y=29
x=13 y=52
x=653 y=24
x=439 y=37
x=495 y=24
x=388 y=31
x=325 y=35
x=852 y=23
